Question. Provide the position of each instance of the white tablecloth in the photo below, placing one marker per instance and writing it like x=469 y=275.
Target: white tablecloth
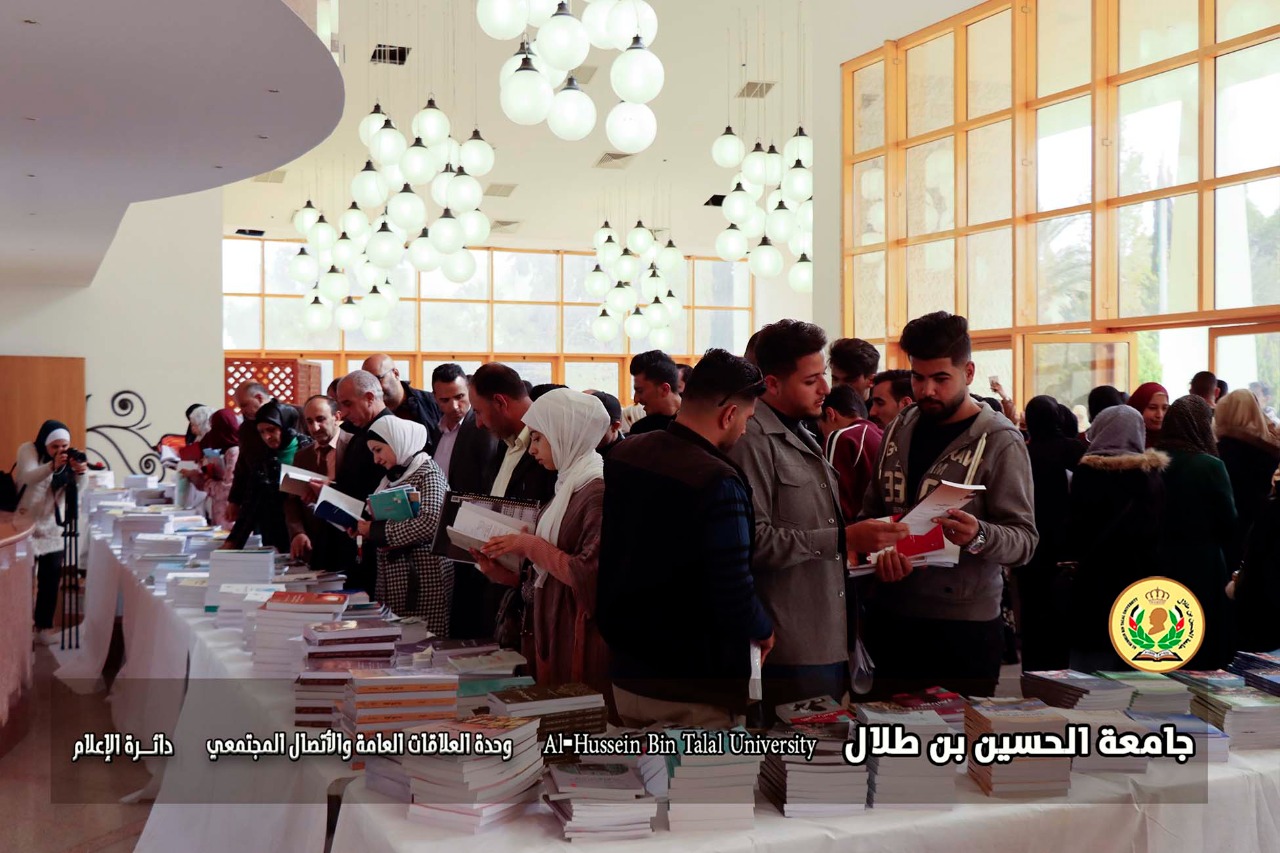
x=102 y=587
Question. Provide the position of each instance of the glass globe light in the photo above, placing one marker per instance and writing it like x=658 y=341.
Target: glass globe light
x=369 y=188
x=475 y=228
x=368 y=274
x=657 y=314
x=674 y=306
x=597 y=283
x=797 y=186
x=609 y=252
x=563 y=41
x=334 y=286
x=464 y=192
x=354 y=221
x=631 y=128
x=628 y=265
x=621 y=298
x=650 y=255
x=799 y=147
x=669 y=258
x=604 y=232
x=775 y=196
x=446 y=234
x=370 y=124
x=385 y=248
x=801 y=243
x=447 y=153
x=765 y=260
x=637 y=325
x=640 y=239
x=753 y=228
x=727 y=151
x=387 y=145
x=374 y=306
x=755 y=166
x=440 y=186
x=459 y=266
x=737 y=206
x=344 y=251
x=731 y=244
x=604 y=328
x=801 y=275
x=417 y=165
x=629 y=18
x=375 y=330
x=540 y=12
x=303 y=267
x=573 y=113
x=780 y=224
x=395 y=229
x=652 y=285
x=407 y=210
x=502 y=19
x=753 y=190
x=637 y=74
x=527 y=96
x=348 y=315
x=555 y=76
x=476 y=155
x=395 y=177
x=804 y=216
x=595 y=18
x=317 y=316
x=305 y=218
x=423 y=254
x=662 y=339
x=774 y=166
x=430 y=124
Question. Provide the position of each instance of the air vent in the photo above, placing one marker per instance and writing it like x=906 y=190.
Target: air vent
x=504 y=226
x=755 y=89
x=613 y=160
x=389 y=54
x=499 y=190
x=584 y=73
x=250 y=232
x=276 y=177
x=714 y=201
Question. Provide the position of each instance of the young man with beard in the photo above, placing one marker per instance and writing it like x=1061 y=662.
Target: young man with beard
x=932 y=625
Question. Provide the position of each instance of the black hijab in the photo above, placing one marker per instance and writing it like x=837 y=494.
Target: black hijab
x=1050 y=447
x=42 y=438
x=283 y=417
x=1101 y=398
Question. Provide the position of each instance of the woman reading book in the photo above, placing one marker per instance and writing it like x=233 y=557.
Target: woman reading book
x=561 y=558
x=411 y=580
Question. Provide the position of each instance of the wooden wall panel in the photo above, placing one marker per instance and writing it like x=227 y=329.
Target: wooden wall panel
x=34 y=389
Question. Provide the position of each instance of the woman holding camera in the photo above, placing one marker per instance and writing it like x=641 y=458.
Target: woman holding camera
x=43 y=472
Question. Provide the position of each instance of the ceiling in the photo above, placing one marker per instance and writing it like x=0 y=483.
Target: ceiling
x=560 y=196
x=110 y=103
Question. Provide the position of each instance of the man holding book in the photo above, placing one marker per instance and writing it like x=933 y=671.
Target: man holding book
x=321 y=544
x=941 y=624
x=358 y=474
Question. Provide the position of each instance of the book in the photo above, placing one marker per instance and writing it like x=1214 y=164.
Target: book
x=1067 y=688
x=342 y=511
x=501 y=662
x=540 y=700
x=306 y=602
x=517 y=514
x=298 y=481
x=349 y=631
x=399 y=504
x=820 y=709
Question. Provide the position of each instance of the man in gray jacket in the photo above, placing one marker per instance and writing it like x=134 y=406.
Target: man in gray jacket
x=935 y=624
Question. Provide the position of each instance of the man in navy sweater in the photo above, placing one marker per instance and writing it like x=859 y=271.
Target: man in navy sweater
x=680 y=622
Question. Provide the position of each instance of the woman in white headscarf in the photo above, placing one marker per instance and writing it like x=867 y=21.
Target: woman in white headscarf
x=411 y=580
x=564 y=552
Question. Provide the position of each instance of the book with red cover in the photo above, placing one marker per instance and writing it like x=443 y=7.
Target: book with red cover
x=306 y=602
x=949 y=705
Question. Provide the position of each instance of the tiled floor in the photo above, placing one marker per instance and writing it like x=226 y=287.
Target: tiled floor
x=31 y=821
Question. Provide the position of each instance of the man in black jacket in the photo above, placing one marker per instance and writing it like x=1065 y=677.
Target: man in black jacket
x=360 y=398
x=680 y=622
x=404 y=401
x=500 y=400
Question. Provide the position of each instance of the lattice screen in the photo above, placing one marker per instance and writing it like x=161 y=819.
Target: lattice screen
x=288 y=380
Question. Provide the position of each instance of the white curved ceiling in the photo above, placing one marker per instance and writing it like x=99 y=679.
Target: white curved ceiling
x=105 y=104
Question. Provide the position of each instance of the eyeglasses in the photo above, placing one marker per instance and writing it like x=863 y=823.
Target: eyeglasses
x=755 y=389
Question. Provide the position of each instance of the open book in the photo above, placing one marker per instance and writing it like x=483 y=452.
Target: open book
x=340 y=510
x=295 y=481
x=486 y=517
x=474 y=525
x=926 y=545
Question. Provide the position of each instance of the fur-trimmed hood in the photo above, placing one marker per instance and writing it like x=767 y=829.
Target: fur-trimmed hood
x=1152 y=460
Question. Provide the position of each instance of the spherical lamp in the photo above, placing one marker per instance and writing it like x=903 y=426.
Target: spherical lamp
x=385 y=248
x=303 y=267
x=753 y=189
x=621 y=298
x=573 y=113
x=804 y=216
x=345 y=251
x=334 y=285
x=459 y=266
x=348 y=315
x=608 y=253
x=375 y=306
x=475 y=228
x=317 y=315
x=731 y=245
x=801 y=276
x=440 y=186
x=755 y=166
x=637 y=74
x=727 y=151
x=423 y=254
x=631 y=128
x=563 y=42
x=446 y=234
x=774 y=167
x=306 y=217
x=463 y=193
x=631 y=18
x=597 y=283
x=369 y=188
x=407 y=210
x=640 y=239
x=628 y=265
x=375 y=330
x=387 y=145
x=477 y=155
x=797 y=186
x=669 y=259
x=370 y=124
x=652 y=284
x=395 y=177
x=801 y=243
x=765 y=260
x=540 y=12
x=527 y=96
x=605 y=231
x=753 y=228
x=662 y=339
x=737 y=206
x=637 y=325
x=368 y=274
x=780 y=224
x=604 y=328
x=417 y=165
x=431 y=124
x=799 y=147
x=674 y=306
x=657 y=314
x=354 y=221
x=502 y=19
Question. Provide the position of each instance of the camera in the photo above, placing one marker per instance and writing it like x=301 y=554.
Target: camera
x=75 y=455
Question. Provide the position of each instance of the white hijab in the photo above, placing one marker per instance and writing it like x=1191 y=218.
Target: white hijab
x=573 y=424
x=406 y=440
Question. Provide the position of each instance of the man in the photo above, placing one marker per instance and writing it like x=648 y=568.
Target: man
x=500 y=400
x=403 y=401
x=799 y=560
x=463 y=449
x=613 y=408
x=656 y=380
x=249 y=397
x=680 y=621
x=360 y=397
x=1205 y=386
x=685 y=370
x=1222 y=389
x=851 y=446
x=942 y=625
x=319 y=543
x=854 y=362
x=890 y=394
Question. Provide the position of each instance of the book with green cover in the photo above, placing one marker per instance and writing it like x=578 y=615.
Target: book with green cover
x=399 y=504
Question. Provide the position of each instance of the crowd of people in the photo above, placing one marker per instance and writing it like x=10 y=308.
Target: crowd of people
x=714 y=521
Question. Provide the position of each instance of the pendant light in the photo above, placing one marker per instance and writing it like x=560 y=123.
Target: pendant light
x=737 y=206
x=446 y=234
x=621 y=298
x=639 y=238
x=562 y=41
x=637 y=74
x=440 y=186
x=430 y=124
x=755 y=166
x=344 y=251
x=657 y=315
x=540 y=12
x=369 y=188
x=662 y=339
x=375 y=306
x=305 y=218
x=637 y=325
x=800 y=278
x=348 y=315
x=629 y=18
x=477 y=155
x=317 y=316
x=418 y=165
x=387 y=144
x=370 y=124
x=463 y=193
x=727 y=151
x=604 y=328
x=797 y=186
x=475 y=228
x=631 y=128
x=354 y=221
x=459 y=267
x=774 y=167
x=573 y=113
x=423 y=254
x=799 y=147
x=526 y=98
x=674 y=305
x=407 y=210
x=597 y=283
x=605 y=231
x=609 y=252
x=780 y=224
x=385 y=248
x=303 y=267
x=765 y=260
x=502 y=19
x=753 y=228
x=669 y=260
x=375 y=330
x=595 y=19
x=731 y=245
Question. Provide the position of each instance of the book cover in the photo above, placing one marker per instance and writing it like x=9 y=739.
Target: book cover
x=393 y=505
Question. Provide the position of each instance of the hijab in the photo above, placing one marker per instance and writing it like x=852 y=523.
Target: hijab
x=1118 y=431
x=285 y=418
x=50 y=431
x=573 y=425
x=1141 y=398
x=407 y=440
x=1103 y=397
x=1044 y=421
x=1189 y=427
x=224 y=431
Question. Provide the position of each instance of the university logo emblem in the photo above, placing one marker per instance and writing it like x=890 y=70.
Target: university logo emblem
x=1156 y=625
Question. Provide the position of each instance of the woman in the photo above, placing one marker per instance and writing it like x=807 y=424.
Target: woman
x=215 y=474
x=1250 y=451
x=197 y=414
x=851 y=445
x=1152 y=401
x=412 y=581
x=1200 y=521
x=1054 y=452
x=1117 y=497
x=277 y=425
x=43 y=471
x=1255 y=586
x=565 y=428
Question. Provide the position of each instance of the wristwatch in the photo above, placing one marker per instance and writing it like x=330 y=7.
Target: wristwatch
x=978 y=542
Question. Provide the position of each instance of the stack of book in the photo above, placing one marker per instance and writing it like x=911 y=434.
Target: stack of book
x=349 y=640
x=823 y=787
x=476 y=791
x=500 y=662
x=278 y=648
x=386 y=775
x=389 y=700
x=186 y=589
x=202 y=543
x=908 y=781
x=130 y=525
x=1212 y=743
x=158 y=544
x=253 y=601
x=1246 y=661
x=945 y=703
x=237 y=567
x=301 y=579
x=1042 y=777
x=1098 y=762
x=566 y=708
x=1153 y=692
x=473 y=691
x=707 y=792
x=436 y=651
x=233 y=601
x=1249 y=717
x=317 y=696
x=818 y=710
x=600 y=801
x=1067 y=688
x=1206 y=680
